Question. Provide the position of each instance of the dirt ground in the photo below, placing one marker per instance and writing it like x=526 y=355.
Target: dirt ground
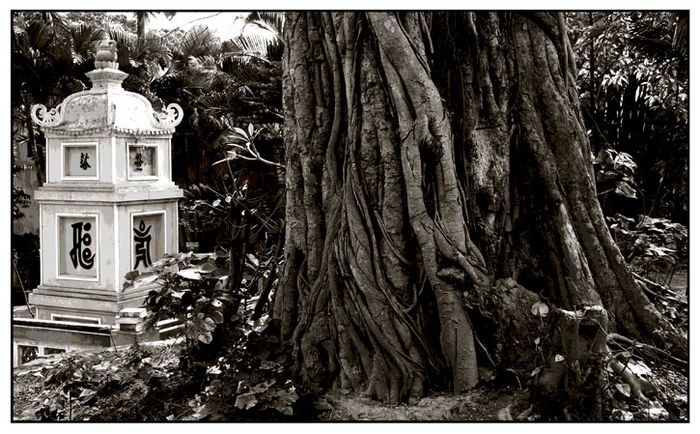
x=482 y=404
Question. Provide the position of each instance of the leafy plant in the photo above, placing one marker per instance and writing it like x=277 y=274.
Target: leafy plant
x=20 y=198
x=251 y=381
x=243 y=142
x=633 y=85
x=615 y=172
x=189 y=287
x=651 y=245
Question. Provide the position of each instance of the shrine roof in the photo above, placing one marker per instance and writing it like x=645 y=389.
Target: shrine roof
x=107 y=108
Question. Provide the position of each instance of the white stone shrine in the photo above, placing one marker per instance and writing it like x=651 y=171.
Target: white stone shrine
x=109 y=205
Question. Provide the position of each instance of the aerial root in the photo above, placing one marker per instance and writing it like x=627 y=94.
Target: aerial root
x=638 y=385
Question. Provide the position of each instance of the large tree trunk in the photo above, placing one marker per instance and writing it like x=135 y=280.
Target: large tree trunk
x=428 y=155
x=141 y=18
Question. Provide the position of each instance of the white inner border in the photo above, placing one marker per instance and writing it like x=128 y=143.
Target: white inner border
x=156 y=162
x=96 y=243
x=132 y=216
x=65 y=177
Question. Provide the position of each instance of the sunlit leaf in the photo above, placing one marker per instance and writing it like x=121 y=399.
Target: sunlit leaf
x=639 y=368
x=539 y=309
x=253 y=259
x=207 y=268
x=242 y=133
x=624 y=389
x=190 y=274
x=624 y=189
x=205 y=337
x=246 y=401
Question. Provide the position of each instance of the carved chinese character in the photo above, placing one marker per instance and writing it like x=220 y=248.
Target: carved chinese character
x=84 y=161
x=80 y=254
x=142 y=245
x=138 y=161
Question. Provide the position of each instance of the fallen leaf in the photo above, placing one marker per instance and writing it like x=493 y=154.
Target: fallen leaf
x=639 y=368
x=624 y=389
x=656 y=411
x=246 y=401
x=504 y=414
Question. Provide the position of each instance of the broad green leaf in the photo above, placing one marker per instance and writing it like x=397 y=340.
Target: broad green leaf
x=205 y=337
x=209 y=324
x=624 y=189
x=217 y=317
x=539 y=309
x=242 y=133
x=190 y=274
x=605 y=157
x=207 y=267
x=246 y=401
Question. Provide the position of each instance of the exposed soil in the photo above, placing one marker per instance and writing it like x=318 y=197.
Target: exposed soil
x=482 y=404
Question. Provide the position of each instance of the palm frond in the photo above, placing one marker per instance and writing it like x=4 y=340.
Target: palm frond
x=260 y=45
x=270 y=21
x=82 y=40
x=653 y=38
x=125 y=43
x=198 y=41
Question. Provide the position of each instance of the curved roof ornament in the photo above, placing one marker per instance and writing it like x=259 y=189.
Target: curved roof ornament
x=47 y=118
x=107 y=107
x=170 y=117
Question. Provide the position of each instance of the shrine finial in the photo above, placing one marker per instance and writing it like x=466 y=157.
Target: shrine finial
x=106 y=56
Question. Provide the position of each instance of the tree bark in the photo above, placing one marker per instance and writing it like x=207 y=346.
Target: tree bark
x=429 y=154
x=37 y=151
x=141 y=18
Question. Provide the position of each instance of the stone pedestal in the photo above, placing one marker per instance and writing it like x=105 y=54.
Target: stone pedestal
x=130 y=327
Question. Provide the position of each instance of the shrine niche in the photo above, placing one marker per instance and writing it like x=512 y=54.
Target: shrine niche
x=142 y=161
x=148 y=238
x=80 y=161
x=77 y=248
x=109 y=205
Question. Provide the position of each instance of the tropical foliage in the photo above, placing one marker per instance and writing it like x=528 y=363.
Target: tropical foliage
x=633 y=80
x=229 y=363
